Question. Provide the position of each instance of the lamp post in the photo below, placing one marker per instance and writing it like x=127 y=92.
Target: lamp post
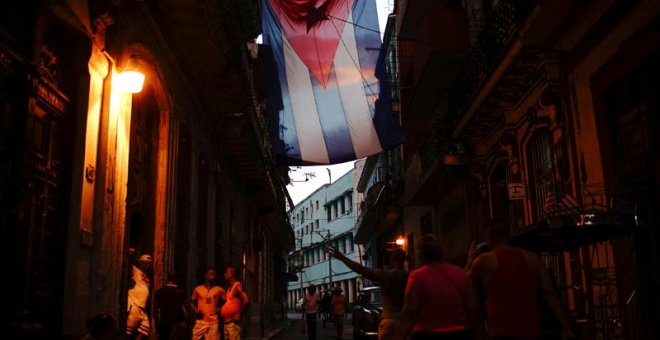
x=300 y=266
x=326 y=238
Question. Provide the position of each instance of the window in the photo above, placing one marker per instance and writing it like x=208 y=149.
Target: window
x=540 y=168
x=317 y=205
x=342 y=203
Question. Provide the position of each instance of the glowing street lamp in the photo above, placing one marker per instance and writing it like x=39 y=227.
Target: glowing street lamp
x=131 y=79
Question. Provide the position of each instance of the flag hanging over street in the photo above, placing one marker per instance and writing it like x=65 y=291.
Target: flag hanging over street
x=328 y=100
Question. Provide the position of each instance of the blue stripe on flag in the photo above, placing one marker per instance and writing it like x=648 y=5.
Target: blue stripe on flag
x=282 y=125
x=333 y=120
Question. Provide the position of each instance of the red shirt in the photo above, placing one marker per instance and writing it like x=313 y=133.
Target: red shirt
x=511 y=297
x=441 y=288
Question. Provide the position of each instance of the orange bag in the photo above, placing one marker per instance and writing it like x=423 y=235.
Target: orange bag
x=303 y=326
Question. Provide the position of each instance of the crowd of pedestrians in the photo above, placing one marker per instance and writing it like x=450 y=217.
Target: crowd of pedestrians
x=438 y=300
x=213 y=311
x=442 y=301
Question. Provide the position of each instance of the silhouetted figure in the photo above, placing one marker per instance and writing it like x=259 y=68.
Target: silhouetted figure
x=440 y=302
x=170 y=312
x=338 y=306
x=325 y=307
x=393 y=285
x=137 y=324
x=101 y=327
x=513 y=278
x=311 y=302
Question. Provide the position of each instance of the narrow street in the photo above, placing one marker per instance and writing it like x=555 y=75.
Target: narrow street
x=302 y=147
x=328 y=332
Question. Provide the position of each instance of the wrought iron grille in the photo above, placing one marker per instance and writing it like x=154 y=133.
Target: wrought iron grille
x=499 y=29
x=541 y=169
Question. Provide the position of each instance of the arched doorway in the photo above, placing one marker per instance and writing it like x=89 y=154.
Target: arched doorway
x=142 y=171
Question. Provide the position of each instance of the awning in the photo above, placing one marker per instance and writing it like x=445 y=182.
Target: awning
x=571 y=231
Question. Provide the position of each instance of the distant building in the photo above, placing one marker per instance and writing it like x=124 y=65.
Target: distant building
x=325 y=217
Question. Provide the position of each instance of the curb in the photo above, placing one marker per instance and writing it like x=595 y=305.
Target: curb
x=279 y=329
x=273 y=331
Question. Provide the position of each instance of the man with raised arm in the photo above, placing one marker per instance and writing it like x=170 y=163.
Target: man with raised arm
x=393 y=285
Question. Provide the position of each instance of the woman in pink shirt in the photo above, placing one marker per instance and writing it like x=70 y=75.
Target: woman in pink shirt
x=440 y=302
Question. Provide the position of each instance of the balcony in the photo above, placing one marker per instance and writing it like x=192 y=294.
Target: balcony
x=432 y=39
x=498 y=33
x=381 y=215
x=610 y=211
x=380 y=208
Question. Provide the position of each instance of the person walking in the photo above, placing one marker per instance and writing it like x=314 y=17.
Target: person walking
x=101 y=327
x=311 y=302
x=205 y=302
x=325 y=307
x=513 y=278
x=393 y=285
x=137 y=323
x=439 y=302
x=170 y=311
x=233 y=309
x=338 y=307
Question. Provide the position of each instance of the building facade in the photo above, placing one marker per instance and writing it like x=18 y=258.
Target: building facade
x=180 y=170
x=325 y=218
x=538 y=114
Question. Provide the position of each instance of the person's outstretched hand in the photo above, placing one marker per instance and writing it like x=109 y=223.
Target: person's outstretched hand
x=473 y=252
x=332 y=251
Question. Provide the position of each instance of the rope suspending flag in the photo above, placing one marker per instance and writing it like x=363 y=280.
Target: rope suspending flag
x=328 y=100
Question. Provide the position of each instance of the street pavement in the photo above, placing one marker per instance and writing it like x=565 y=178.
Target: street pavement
x=328 y=332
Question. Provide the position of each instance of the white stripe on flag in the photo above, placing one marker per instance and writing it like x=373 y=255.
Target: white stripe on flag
x=303 y=105
x=352 y=90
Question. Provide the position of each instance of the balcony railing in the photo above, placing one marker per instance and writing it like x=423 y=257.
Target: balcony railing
x=497 y=33
x=500 y=28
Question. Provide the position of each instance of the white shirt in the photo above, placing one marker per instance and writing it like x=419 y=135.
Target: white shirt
x=139 y=294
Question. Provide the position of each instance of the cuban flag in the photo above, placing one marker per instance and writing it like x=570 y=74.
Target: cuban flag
x=327 y=95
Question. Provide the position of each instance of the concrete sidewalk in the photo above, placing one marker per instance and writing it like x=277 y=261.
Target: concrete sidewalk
x=287 y=329
x=272 y=331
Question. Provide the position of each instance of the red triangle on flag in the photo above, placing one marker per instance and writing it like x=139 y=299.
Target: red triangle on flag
x=313 y=27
